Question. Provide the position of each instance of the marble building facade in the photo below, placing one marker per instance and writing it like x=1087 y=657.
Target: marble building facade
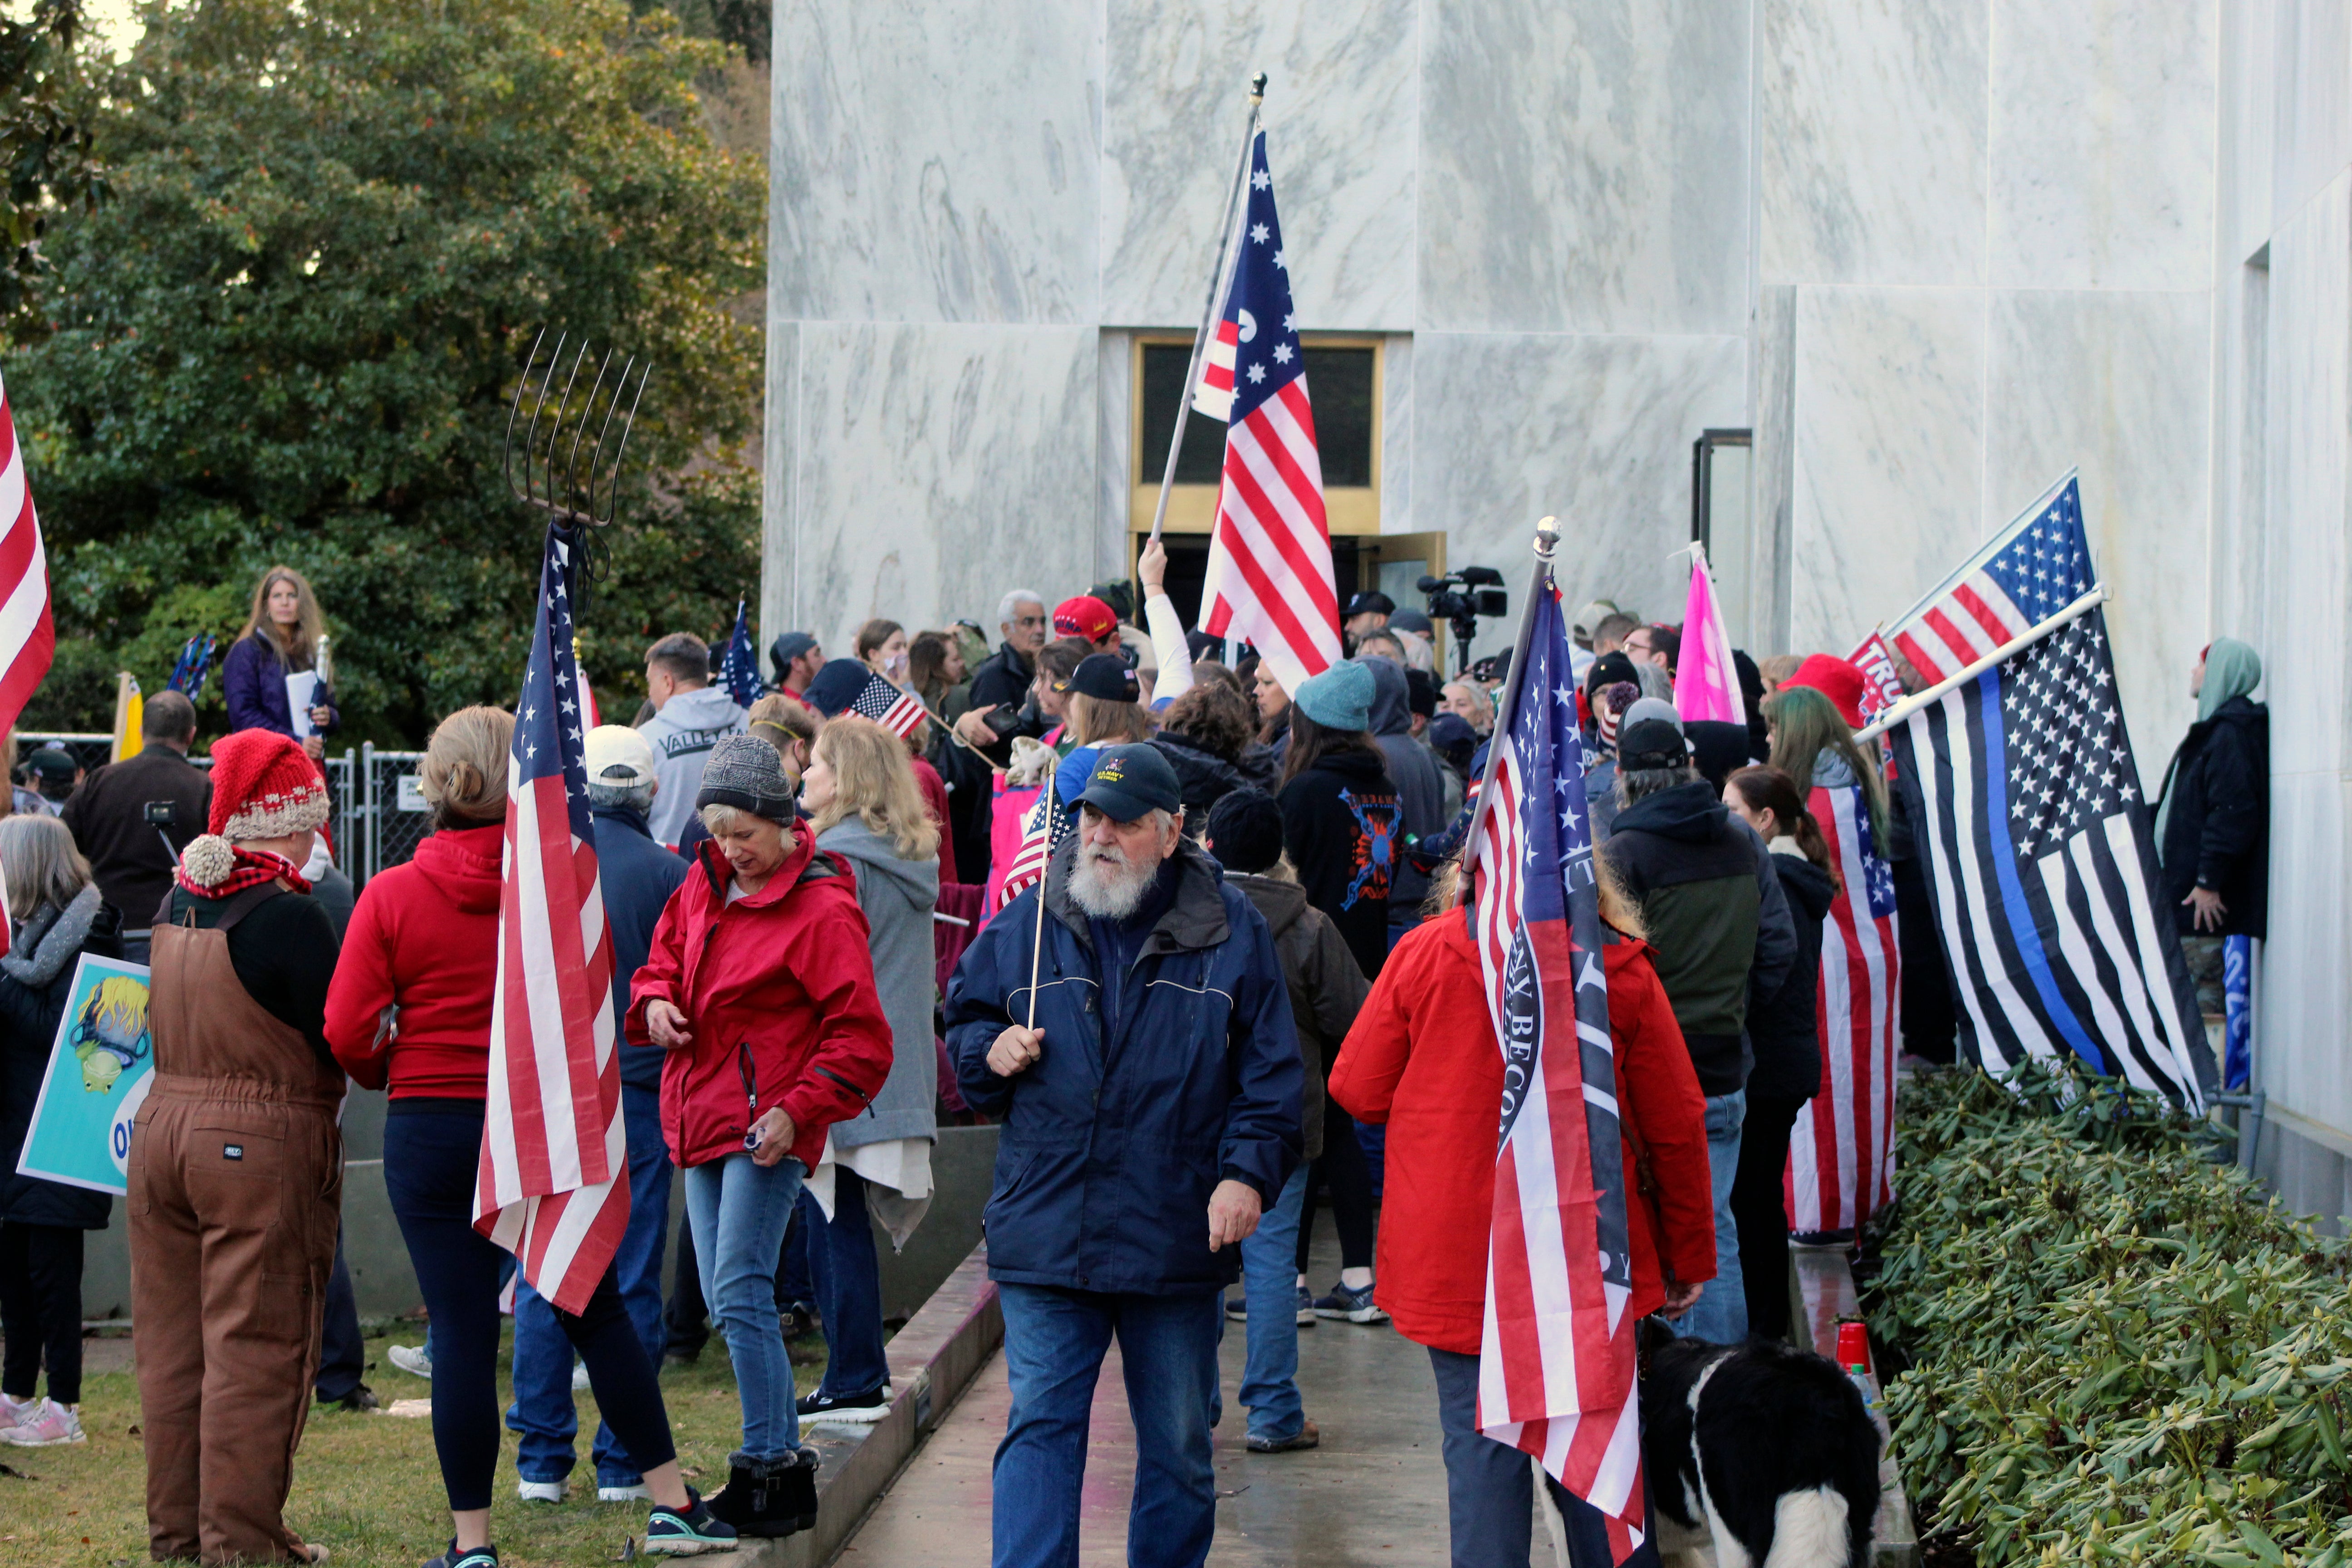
x=1931 y=252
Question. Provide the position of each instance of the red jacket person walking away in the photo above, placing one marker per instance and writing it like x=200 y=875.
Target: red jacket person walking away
x=237 y=1168
x=1422 y=1061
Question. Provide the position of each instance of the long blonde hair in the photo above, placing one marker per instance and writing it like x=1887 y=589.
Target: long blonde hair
x=1097 y=721
x=302 y=651
x=464 y=775
x=41 y=864
x=874 y=781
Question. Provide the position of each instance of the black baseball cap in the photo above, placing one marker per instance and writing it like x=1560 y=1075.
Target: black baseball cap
x=1373 y=603
x=1130 y=781
x=1106 y=677
x=1652 y=743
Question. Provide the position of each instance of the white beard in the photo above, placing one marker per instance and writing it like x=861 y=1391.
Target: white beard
x=1107 y=886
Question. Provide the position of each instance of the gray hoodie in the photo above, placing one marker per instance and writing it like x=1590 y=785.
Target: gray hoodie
x=681 y=735
x=1420 y=792
x=897 y=897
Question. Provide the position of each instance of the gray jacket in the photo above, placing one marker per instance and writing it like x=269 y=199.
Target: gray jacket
x=1421 y=796
x=681 y=735
x=897 y=897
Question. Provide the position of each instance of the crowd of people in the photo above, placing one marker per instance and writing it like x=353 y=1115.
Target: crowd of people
x=1240 y=990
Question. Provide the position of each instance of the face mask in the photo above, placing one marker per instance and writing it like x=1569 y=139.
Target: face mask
x=896 y=666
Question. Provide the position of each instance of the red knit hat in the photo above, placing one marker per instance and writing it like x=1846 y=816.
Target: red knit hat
x=1834 y=679
x=1085 y=617
x=263 y=787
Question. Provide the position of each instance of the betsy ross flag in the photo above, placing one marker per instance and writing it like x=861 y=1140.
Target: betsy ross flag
x=1556 y=1359
x=553 y=1186
x=28 y=640
x=2042 y=866
x=895 y=710
x=1840 y=1166
x=2032 y=569
x=1269 y=574
x=1042 y=831
x=738 y=668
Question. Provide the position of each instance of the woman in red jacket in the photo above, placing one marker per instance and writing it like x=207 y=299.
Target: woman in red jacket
x=761 y=987
x=1421 y=1059
x=410 y=1007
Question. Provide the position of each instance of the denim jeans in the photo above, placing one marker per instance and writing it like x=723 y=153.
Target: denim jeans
x=848 y=1286
x=1490 y=1487
x=1054 y=1345
x=543 y=1412
x=738 y=1210
x=1270 y=1288
x=1721 y=1315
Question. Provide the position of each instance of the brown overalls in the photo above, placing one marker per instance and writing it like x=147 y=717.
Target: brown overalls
x=235 y=1189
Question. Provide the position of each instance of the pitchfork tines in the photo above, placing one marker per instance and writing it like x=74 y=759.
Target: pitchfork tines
x=556 y=467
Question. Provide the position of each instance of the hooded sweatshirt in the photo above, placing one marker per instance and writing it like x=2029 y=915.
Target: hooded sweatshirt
x=681 y=734
x=409 y=1008
x=1325 y=987
x=1413 y=771
x=897 y=897
x=1340 y=828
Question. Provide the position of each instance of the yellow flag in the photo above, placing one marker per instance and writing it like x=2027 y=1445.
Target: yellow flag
x=130 y=710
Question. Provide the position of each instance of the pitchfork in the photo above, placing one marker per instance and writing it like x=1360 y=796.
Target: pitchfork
x=551 y=472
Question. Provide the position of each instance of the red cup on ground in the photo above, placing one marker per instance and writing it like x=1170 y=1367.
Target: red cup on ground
x=1853 y=1346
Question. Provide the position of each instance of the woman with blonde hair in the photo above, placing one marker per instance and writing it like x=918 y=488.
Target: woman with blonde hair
x=866 y=808
x=275 y=660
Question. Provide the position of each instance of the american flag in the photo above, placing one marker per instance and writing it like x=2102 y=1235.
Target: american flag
x=1269 y=574
x=2042 y=866
x=900 y=712
x=738 y=668
x=1842 y=1149
x=1556 y=1363
x=553 y=1184
x=1042 y=831
x=2033 y=568
x=27 y=638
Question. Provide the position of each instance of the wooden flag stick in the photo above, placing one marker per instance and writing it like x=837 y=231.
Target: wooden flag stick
x=1037 y=940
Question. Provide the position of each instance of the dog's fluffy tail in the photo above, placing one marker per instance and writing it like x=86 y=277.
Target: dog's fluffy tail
x=1809 y=1530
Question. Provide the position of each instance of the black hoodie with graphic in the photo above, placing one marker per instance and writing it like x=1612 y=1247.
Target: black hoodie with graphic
x=1342 y=828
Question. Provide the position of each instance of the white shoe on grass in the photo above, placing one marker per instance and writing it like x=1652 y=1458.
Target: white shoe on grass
x=540 y=1491
x=579 y=1378
x=624 y=1494
x=416 y=1361
x=46 y=1427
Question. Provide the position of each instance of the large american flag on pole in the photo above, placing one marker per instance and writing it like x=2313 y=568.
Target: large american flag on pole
x=27 y=638
x=1269 y=575
x=553 y=1184
x=2030 y=571
x=1556 y=1362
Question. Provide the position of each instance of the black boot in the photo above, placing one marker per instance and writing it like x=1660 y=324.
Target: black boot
x=769 y=1497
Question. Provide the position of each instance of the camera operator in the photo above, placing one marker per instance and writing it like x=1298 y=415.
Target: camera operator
x=133 y=818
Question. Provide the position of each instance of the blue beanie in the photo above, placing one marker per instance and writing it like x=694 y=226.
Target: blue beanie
x=1338 y=699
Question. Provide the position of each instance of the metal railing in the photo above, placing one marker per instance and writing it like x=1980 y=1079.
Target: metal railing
x=395 y=818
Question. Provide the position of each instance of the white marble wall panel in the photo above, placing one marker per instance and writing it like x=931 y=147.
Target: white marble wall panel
x=1340 y=139
x=1586 y=165
x=936 y=163
x=2311 y=42
x=938 y=466
x=2306 y=987
x=1889 y=453
x=2116 y=384
x=779 y=558
x=1771 y=398
x=1873 y=126
x=2102 y=142
x=1114 y=449
x=2248 y=124
x=1396 y=435
x=1594 y=431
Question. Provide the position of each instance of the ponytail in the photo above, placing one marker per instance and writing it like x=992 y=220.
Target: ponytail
x=1771 y=789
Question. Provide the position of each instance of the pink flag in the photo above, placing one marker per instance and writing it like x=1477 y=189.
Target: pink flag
x=1706 y=684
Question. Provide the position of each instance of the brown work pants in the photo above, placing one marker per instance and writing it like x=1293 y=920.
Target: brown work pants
x=235 y=1194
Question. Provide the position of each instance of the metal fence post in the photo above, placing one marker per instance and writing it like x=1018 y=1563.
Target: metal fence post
x=367 y=775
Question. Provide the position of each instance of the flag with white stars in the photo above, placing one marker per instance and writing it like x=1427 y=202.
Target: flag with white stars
x=553 y=1186
x=1556 y=1362
x=739 y=667
x=2030 y=571
x=2042 y=866
x=1269 y=575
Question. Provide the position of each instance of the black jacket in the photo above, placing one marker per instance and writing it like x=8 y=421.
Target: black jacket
x=34 y=980
x=2217 y=834
x=1204 y=777
x=1327 y=989
x=1783 y=1028
x=1002 y=681
x=108 y=817
x=1342 y=828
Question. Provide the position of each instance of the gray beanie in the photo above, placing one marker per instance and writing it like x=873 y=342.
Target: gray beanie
x=748 y=774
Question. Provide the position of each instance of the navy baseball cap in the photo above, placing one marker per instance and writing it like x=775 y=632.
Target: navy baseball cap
x=1131 y=782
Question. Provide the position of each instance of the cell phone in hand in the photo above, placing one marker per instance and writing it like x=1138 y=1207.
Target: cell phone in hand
x=1002 y=720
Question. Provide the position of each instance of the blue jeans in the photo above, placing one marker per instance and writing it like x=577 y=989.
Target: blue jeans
x=1490 y=1487
x=1054 y=1345
x=1721 y=1315
x=848 y=1286
x=1270 y=1288
x=543 y=1412
x=738 y=1211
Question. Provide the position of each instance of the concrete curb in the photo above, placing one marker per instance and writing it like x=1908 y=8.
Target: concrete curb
x=932 y=1360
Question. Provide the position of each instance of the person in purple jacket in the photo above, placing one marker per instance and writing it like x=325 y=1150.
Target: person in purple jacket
x=280 y=642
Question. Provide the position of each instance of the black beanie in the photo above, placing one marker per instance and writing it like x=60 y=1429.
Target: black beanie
x=1245 y=831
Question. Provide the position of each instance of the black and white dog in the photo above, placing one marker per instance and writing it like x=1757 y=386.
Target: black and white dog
x=1769 y=1446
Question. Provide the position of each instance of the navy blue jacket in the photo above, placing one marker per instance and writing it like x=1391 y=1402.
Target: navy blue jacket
x=1112 y=1144
x=637 y=877
x=253 y=683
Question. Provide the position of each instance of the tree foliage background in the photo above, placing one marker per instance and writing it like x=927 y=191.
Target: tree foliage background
x=292 y=334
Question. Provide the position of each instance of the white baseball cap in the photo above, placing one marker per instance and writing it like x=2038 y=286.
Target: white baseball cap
x=618 y=756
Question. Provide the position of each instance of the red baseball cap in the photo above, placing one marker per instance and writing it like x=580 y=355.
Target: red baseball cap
x=1085 y=617
x=1834 y=679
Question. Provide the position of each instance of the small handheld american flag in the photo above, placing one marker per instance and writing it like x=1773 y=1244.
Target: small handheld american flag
x=1042 y=831
x=897 y=711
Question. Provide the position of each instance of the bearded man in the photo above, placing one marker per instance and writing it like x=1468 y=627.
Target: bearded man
x=1145 y=1068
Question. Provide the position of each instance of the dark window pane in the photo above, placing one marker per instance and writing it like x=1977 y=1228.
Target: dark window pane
x=1339 y=385
x=1204 y=439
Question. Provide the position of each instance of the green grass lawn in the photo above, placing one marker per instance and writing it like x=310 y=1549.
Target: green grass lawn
x=368 y=1486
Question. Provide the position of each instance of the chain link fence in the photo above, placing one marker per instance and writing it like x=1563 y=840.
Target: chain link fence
x=395 y=818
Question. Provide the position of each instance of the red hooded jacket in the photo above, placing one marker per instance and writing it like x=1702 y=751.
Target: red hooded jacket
x=785 y=975
x=1421 y=1058
x=424 y=939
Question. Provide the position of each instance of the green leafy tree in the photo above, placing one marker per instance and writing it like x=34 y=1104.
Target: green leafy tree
x=338 y=226
x=45 y=157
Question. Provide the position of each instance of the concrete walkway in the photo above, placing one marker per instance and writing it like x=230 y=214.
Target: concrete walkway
x=1374 y=1492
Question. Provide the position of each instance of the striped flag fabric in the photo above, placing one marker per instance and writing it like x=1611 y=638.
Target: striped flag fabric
x=2032 y=569
x=28 y=639
x=1269 y=575
x=739 y=667
x=1556 y=1360
x=900 y=712
x=553 y=1186
x=1882 y=686
x=2042 y=869
x=1042 y=831
x=1841 y=1148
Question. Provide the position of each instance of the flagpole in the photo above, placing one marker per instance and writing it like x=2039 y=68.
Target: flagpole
x=1910 y=705
x=1547 y=542
x=1218 y=284
x=1045 y=873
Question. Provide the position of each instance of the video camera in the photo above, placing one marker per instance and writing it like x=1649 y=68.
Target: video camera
x=1460 y=598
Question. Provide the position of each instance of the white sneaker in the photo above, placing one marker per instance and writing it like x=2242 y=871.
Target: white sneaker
x=540 y=1491
x=13 y=1411
x=45 y=1426
x=624 y=1494
x=579 y=1378
x=413 y=1360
